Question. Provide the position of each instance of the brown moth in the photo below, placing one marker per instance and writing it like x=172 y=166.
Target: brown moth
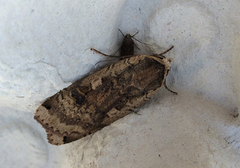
x=127 y=48
x=91 y=103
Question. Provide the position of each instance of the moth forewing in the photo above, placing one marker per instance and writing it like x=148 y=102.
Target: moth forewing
x=91 y=103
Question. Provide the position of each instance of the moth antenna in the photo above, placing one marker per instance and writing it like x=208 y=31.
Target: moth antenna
x=124 y=35
x=134 y=34
x=104 y=61
x=136 y=46
x=166 y=51
x=121 y=32
x=161 y=54
x=169 y=89
x=141 y=42
x=136 y=40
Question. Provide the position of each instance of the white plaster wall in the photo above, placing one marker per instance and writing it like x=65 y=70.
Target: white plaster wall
x=44 y=47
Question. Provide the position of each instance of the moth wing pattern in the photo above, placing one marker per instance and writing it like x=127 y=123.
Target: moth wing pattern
x=91 y=103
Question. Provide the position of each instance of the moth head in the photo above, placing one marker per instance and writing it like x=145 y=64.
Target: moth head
x=128 y=36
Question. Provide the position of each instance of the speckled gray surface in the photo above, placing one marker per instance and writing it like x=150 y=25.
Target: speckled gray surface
x=45 y=47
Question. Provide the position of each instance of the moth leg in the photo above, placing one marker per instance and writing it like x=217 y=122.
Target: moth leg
x=92 y=49
x=136 y=46
x=169 y=89
x=166 y=51
x=104 y=61
x=116 y=51
x=135 y=111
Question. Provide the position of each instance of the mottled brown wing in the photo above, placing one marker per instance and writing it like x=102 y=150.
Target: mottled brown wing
x=100 y=99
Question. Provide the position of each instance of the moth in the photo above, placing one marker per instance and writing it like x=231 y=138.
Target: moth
x=101 y=98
